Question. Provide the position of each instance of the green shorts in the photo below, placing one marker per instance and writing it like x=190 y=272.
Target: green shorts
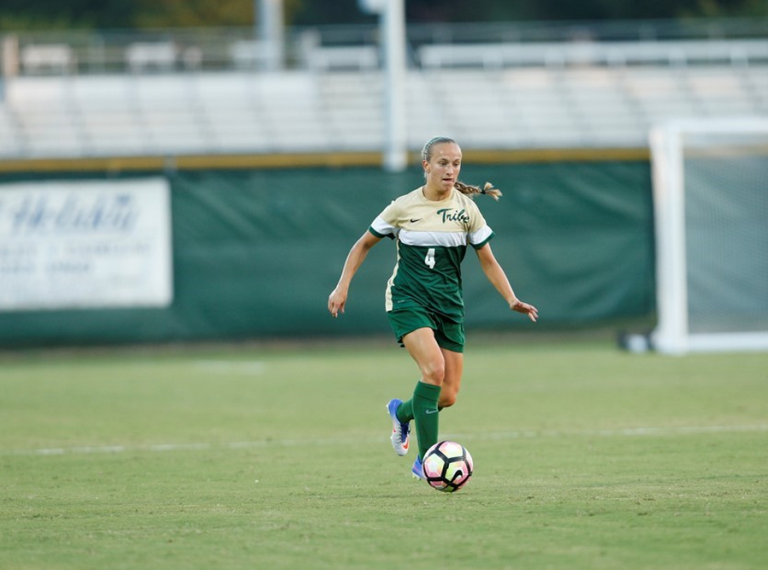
x=448 y=334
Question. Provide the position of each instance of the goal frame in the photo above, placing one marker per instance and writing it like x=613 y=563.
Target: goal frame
x=671 y=335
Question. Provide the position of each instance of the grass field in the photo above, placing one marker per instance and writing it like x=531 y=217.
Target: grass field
x=265 y=457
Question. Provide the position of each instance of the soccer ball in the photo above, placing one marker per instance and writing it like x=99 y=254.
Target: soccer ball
x=447 y=466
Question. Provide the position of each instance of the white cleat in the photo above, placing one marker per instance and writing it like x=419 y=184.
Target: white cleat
x=400 y=430
x=418 y=469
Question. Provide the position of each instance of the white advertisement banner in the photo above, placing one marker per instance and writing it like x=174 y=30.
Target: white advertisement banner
x=85 y=244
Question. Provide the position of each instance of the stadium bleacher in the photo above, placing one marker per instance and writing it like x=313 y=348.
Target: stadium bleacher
x=491 y=96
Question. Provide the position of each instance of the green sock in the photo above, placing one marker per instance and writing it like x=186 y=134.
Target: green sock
x=424 y=404
x=405 y=411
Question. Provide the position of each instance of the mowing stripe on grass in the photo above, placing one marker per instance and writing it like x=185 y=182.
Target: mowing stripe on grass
x=230 y=367
x=627 y=432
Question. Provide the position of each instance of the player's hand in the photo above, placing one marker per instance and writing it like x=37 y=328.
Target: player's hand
x=336 y=301
x=526 y=309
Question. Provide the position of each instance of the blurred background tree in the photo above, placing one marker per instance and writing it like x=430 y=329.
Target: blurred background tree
x=131 y=14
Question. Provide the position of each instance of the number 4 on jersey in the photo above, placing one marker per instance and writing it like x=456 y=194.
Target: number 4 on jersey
x=430 y=258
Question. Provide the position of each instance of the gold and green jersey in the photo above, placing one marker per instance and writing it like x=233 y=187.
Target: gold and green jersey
x=432 y=238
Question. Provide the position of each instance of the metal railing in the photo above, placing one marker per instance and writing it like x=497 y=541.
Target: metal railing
x=213 y=49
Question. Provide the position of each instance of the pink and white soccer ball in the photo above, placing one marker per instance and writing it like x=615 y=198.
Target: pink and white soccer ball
x=447 y=466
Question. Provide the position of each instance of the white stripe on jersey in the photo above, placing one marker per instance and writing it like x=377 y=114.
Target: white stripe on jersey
x=383 y=227
x=480 y=235
x=433 y=239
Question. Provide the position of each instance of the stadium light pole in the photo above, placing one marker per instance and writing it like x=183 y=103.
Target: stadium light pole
x=9 y=61
x=270 y=31
x=392 y=23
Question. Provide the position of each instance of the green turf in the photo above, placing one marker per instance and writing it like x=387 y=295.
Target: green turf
x=586 y=457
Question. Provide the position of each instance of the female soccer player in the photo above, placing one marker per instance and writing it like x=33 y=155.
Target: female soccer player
x=432 y=226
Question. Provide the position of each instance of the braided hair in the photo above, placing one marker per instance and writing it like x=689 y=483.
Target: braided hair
x=468 y=189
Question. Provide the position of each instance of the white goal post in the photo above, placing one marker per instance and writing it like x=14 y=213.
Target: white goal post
x=710 y=197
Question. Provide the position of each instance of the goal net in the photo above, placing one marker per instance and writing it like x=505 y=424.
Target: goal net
x=710 y=194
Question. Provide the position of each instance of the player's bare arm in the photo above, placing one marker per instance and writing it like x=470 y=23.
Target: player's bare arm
x=338 y=297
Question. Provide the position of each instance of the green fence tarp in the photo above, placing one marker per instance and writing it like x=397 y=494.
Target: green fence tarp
x=256 y=253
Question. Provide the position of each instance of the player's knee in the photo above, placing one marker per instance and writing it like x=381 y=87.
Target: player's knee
x=447 y=399
x=433 y=373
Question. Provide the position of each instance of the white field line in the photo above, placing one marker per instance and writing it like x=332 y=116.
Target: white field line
x=339 y=441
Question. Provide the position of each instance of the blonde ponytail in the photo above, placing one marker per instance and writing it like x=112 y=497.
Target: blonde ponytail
x=470 y=190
